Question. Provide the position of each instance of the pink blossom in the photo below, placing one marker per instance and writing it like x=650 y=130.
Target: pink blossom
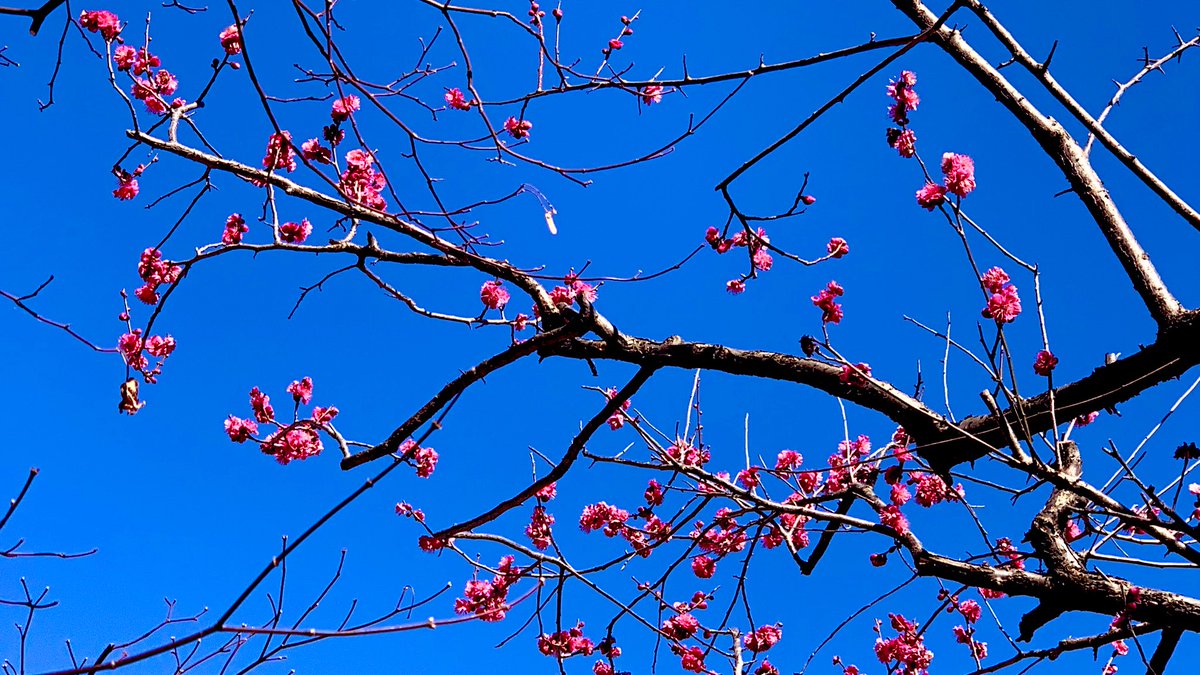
x=931 y=196
x=994 y=280
x=261 y=404
x=601 y=516
x=855 y=376
x=235 y=227
x=486 y=599
x=127 y=186
x=970 y=610
x=301 y=390
x=654 y=493
x=890 y=515
x=323 y=416
x=240 y=430
x=407 y=510
x=907 y=649
x=279 y=152
x=615 y=44
x=160 y=347
x=903 y=140
x=826 y=300
x=688 y=455
x=288 y=445
x=692 y=659
x=651 y=94
x=313 y=151
x=1003 y=306
x=762 y=260
x=1084 y=420
x=493 y=295
x=125 y=57
x=231 y=40
x=960 y=173
x=900 y=494
x=837 y=247
x=456 y=100
x=1044 y=363
x=788 y=460
x=538 y=529
x=518 y=129
x=765 y=668
x=361 y=183
x=748 y=478
x=704 y=567
x=566 y=643
x=680 y=627
x=808 y=200
x=762 y=639
x=295 y=233
x=735 y=286
x=901 y=91
x=101 y=21
x=548 y=492
x=427 y=459
x=431 y=544
x=344 y=107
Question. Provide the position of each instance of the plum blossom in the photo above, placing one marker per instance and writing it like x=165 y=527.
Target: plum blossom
x=240 y=430
x=301 y=390
x=493 y=295
x=518 y=129
x=231 y=40
x=837 y=247
x=826 y=300
x=762 y=639
x=295 y=233
x=651 y=94
x=1003 y=304
x=1044 y=363
x=279 y=152
x=456 y=100
x=960 y=173
x=344 y=107
x=361 y=183
x=903 y=140
x=100 y=21
x=235 y=227
x=931 y=196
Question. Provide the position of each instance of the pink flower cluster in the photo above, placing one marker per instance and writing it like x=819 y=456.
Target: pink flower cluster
x=762 y=638
x=127 y=184
x=279 y=152
x=154 y=89
x=518 y=129
x=298 y=440
x=235 y=227
x=424 y=459
x=1045 y=363
x=572 y=289
x=488 y=600
x=617 y=419
x=959 y=172
x=456 y=100
x=361 y=183
x=493 y=295
x=344 y=107
x=137 y=61
x=1013 y=558
x=231 y=40
x=856 y=375
x=100 y=21
x=826 y=300
x=651 y=94
x=295 y=233
x=1003 y=303
x=687 y=454
x=155 y=272
x=133 y=349
x=907 y=650
x=566 y=643
x=904 y=98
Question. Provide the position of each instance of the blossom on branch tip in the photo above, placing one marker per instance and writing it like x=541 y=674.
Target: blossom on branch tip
x=1003 y=304
x=493 y=295
x=456 y=100
x=235 y=227
x=361 y=183
x=313 y=151
x=100 y=21
x=344 y=107
x=735 y=286
x=826 y=300
x=903 y=140
x=240 y=430
x=1044 y=363
x=762 y=639
x=651 y=94
x=960 y=173
x=518 y=129
x=295 y=233
x=837 y=247
x=279 y=152
x=301 y=390
x=231 y=40
x=931 y=196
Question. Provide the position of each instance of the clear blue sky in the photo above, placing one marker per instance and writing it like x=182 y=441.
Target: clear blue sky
x=177 y=511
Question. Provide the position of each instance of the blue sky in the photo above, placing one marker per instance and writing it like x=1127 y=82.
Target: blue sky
x=178 y=512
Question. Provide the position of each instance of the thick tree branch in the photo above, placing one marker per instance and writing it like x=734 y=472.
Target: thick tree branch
x=1066 y=153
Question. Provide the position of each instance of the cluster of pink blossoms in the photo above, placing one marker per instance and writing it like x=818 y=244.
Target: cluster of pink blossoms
x=154 y=90
x=615 y=521
x=279 y=152
x=134 y=350
x=1045 y=363
x=155 y=272
x=235 y=227
x=518 y=128
x=1003 y=305
x=295 y=233
x=493 y=295
x=617 y=419
x=100 y=21
x=571 y=290
x=1013 y=558
x=755 y=242
x=343 y=107
x=904 y=100
x=762 y=638
x=907 y=650
x=959 y=172
x=566 y=643
x=456 y=100
x=826 y=301
x=298 y=440
x=488 y=600
x=361 y=183
x=651 y=94
x=231 y=40
x=538 y=529
x=127 y=184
